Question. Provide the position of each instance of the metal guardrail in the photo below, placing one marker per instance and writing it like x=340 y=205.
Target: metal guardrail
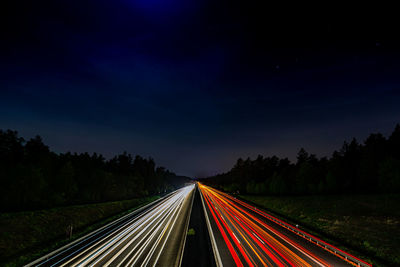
x=318 y=242
x=332 y=249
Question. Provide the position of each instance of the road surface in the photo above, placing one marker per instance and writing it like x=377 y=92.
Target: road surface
x=153 y=237
x=244 y=236
x=198 y=250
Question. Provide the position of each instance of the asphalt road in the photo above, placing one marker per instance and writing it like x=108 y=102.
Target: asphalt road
x=198 y=250
x=152 y=237
x=244 y=237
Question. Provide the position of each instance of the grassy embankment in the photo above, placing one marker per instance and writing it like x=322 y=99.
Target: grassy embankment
x=25 y=236
x=368 y=224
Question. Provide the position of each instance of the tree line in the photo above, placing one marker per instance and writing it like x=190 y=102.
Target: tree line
x=34 y=177
x=369 y=167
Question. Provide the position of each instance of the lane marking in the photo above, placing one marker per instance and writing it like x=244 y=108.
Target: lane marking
x=169 y=232
x=78 y=241
x=217 y=257
x=124 y=234
x=187 y=226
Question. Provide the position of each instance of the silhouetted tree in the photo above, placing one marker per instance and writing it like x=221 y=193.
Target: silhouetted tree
x=34 y=177
x=373 y=166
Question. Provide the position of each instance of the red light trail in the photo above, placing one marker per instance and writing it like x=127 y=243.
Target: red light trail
x=251 y=240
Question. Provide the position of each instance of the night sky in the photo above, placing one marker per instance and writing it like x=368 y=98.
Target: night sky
x=197 y=84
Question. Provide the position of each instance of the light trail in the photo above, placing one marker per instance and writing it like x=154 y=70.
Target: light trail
x=141 y=240
x=248 y=238
x=241 y=235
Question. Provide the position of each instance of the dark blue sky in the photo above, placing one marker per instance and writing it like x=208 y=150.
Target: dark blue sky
x=196 y=84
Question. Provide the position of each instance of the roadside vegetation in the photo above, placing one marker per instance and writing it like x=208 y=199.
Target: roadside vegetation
x=369 y=224
x=27 y=235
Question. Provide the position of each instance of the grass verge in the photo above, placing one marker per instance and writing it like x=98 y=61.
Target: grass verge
x=25 y=236
x=365 y=224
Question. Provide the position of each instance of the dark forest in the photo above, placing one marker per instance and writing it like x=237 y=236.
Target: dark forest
x=32 y=176
x=369 y=167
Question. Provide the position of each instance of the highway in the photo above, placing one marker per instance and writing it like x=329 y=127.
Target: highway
x=243 y=235
x=154 y=236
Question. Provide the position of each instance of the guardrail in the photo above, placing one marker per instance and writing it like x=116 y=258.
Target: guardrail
x=332 y=249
